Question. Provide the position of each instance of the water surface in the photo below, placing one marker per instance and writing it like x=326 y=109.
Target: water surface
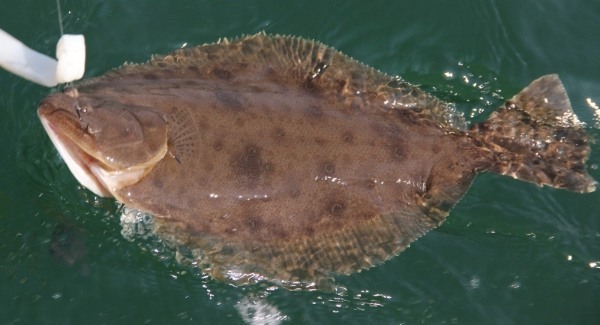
x=508 y=253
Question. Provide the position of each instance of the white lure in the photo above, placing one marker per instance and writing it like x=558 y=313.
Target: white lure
x=25 y=62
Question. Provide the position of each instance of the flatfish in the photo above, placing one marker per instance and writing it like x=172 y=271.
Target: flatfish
x=279 y=158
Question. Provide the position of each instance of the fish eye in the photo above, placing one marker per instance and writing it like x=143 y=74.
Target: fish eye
x=86 y=109
x=82 y=109
x=78 y=110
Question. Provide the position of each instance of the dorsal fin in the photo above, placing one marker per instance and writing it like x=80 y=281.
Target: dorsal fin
x=311 y=64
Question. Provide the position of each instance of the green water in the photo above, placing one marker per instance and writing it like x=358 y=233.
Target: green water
x=508 y=253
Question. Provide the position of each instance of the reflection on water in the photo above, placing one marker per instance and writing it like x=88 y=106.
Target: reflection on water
x=596 y=109
x=258 y=311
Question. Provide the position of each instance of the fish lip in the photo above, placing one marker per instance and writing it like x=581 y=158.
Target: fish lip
x=80 y=163
x=90 y=171
x=78 y=149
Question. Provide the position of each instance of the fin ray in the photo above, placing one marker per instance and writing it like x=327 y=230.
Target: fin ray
x=182 y=134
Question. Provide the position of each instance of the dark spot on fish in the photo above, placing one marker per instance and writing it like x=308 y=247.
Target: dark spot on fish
x=320 y=141
x=348 y=137
x=229 y=100
x=279 y=233
x=313 y=218
x=201 y=229
x=299 y=273
x=252 y=149
x=190 y=83
x=370 y=183
x=194 y=69
x=342 y=84
x=202 y=124
x=309 y=231
x=550 y=173
x=357 y=105
x=249 y=166
x=248 y=48
x=398 y=152
x=157 y=182
x=337 y=207
x=221 y=73
x=561 y=134
x=278 y=133
x=295 y=192
x=239 y=122
x=355 y=75
x=241 y=66
x=208 y=166
x=150 y=76
x=408 y=115
x=397 y=149
x=327 y=168
x=314 y=112
x=429 y=183
x=270 y=72
x=253 y=222
x=217 y=145
x=213 y=56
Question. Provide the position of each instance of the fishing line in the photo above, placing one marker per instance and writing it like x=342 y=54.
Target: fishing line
x=69 y=84
x=60 y=21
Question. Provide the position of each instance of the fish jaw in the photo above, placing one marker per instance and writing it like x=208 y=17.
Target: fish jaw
x=80 y=164
x=91 y=173
x=77 y=149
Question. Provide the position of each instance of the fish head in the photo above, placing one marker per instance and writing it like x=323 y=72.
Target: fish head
x=106 y=143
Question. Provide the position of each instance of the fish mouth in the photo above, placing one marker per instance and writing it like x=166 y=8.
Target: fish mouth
x=91 y=172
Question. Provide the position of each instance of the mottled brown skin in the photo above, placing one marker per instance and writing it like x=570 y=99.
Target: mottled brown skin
x=287 y=160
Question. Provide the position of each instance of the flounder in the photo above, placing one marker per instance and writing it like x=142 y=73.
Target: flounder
x=278 y=158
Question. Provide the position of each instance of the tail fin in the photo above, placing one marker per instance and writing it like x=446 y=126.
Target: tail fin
x=536 y=137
